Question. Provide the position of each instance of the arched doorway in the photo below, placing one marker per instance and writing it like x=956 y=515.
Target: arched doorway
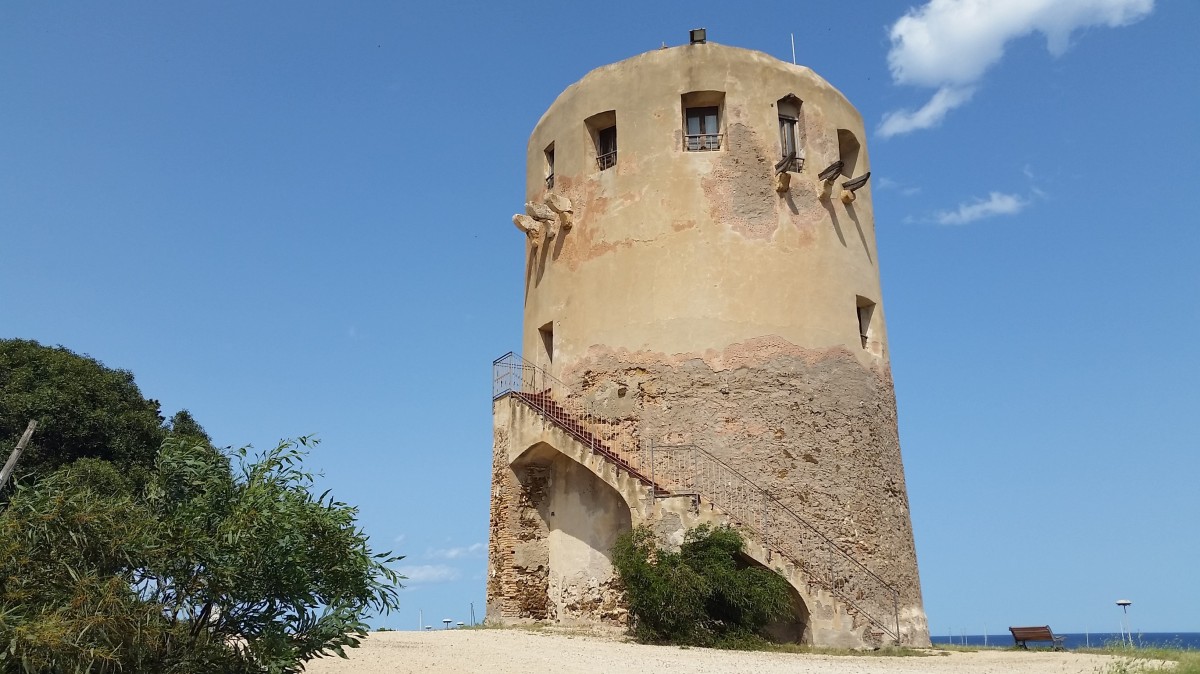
x=571 y=519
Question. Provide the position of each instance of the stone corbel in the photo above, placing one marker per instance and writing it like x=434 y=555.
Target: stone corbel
x=543 y=214
x=847 y=196
x=562 y=207
x=783 y=182
x=531 y=227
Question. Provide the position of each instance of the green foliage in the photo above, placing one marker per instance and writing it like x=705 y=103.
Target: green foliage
x=223 y=564
x=83 y=409
x=702 y=595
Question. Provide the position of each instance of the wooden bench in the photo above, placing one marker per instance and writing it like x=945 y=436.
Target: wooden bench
x=1043 y=633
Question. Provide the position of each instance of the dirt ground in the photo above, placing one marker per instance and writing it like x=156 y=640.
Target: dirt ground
x=523 y=651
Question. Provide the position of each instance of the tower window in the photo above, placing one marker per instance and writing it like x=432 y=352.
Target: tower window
x=549 y=152
x=546 y=332
x=602 y=129
x=702 y=120
x=703 y=129
x=606 y=148
x=866 y=310
x=791 y=131
x=848 y=148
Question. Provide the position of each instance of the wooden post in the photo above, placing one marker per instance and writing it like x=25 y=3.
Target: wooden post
x=16 y=454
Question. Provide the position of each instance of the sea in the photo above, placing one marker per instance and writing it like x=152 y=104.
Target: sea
x=1184 y=640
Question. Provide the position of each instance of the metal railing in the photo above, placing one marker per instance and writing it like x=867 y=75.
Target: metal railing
x=555 y=401
x=690 y=470
x=687 y=469
x=703 y=141
x=607 y=160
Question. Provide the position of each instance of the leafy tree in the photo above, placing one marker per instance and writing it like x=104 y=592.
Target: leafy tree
x=83 y=409
x=226 y=563
x=183 y=425
x=702 y=594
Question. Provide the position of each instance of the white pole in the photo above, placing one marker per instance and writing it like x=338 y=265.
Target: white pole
x=420 y=619
x=793 y=49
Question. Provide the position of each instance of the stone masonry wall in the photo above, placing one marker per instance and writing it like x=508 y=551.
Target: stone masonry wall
x=518 y=555
x=816 y=429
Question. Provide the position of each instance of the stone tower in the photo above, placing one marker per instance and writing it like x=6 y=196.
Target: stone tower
x=703 y=341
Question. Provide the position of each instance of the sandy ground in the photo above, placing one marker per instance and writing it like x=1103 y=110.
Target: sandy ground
x=520 y=651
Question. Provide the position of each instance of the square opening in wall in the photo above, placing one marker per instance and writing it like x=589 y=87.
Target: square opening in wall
x=866 y=311
x=546 y=332
x=602 y=128
x=702 y=124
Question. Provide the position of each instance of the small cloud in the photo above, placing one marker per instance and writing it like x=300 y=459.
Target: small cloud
x=423 y=574
x=352 y=332
x=399 y=539
x=949 y=45
x=886 y=183
x=473 y=550
x=929 y=115
x=997 y=203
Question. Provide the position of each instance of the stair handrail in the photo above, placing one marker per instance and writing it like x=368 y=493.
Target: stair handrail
x=511 y=373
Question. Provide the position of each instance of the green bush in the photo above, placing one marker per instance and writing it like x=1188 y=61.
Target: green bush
x=700 y=595
x=223 y=563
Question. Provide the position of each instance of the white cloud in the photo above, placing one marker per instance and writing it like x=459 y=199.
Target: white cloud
x=950 y=44
x=421 y=574
x=997 y=203
x=886 y=183
x=473 y=550
x=929 y=115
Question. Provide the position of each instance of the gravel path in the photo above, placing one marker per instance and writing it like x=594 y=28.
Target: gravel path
x=524 y=652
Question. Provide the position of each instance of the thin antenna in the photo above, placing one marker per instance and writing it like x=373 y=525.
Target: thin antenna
x=793 y=49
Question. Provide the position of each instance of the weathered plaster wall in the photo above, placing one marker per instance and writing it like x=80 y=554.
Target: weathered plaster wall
x=585 y=518
x=683 y=251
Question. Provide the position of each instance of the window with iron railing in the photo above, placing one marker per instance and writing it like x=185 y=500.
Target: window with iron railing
x=549 y=152
x=606 y=148
x=703 y=131
x=787 y=142
x=791 y=131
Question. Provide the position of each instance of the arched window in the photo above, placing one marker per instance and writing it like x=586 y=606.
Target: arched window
x=791 y=131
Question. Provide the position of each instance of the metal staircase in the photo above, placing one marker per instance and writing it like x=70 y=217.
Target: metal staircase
x=689 y=470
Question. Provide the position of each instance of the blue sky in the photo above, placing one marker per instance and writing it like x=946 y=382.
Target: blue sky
x=294 y=218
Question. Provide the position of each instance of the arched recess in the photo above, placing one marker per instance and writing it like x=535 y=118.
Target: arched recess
x=848 y=149
x=797 y=628
x=578 y=518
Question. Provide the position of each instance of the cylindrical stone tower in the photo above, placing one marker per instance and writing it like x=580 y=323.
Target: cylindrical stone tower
x=701 y=269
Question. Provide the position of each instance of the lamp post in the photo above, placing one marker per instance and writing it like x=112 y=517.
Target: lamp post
x=1125 y=604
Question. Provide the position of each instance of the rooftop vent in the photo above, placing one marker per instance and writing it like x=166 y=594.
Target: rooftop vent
x=698 y=35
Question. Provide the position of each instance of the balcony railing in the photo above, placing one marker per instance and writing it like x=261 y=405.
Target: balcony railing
x=702 y=142
x=607 y=161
